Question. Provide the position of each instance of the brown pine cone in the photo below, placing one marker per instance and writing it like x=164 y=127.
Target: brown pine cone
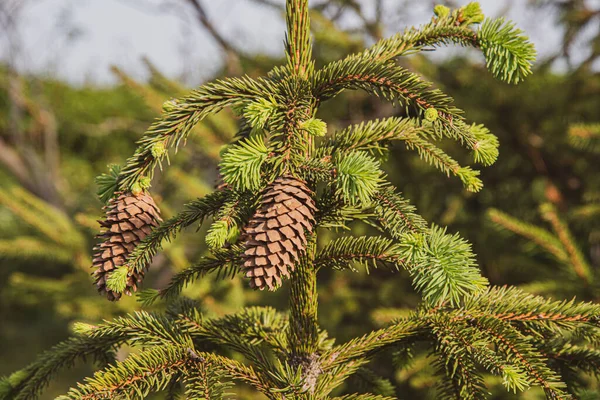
x=129 y=219
x=276 y=234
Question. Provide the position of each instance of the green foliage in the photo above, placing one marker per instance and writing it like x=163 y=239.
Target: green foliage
x=117 y=280
x=314 y=126
x=107 y=183
x=359 y=177
x=507 y=51
x=258 y=113
x=242 y=162
x=442 y=265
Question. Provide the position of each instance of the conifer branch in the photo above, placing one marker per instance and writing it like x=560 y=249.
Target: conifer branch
x=181 y=116
x=399 y=333
x=195 y=211
x=539 y=236
x=298 y=38
x=395 y=215
x=151 y=370
x=585 y=137
x=364 y=396
x=578 y=262
x=225 y=263
x=365 y=250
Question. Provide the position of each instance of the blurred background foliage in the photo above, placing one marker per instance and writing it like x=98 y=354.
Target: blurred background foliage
x=536 y=224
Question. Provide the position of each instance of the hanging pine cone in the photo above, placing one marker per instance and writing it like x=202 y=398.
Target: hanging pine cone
x=129 y=219
x=275 y=236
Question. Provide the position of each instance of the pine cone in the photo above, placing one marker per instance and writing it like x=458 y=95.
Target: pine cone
x=129 y=219
x=275 y=236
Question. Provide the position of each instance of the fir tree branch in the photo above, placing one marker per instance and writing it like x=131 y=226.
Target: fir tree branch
x=37 y=375
x=226 y=264
x=395 y=215
x=298 y=38
x=513 y=305
x=364 y=396
x=181 y=116
x=585 y=137
x=539 y=236
x=518 y=351
x=219 y=332
x=151 y=370
x=401 y=332
x=442 y=266
x=206 y=381
x=386 y=80
x=366 y=250
x=195 y=211
x=464 y=381
x=578 y=262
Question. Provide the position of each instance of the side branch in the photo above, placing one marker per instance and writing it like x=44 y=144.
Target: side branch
x=180 y=117
x=404 y=331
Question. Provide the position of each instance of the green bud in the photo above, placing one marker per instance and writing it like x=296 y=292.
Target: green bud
x=441 y=11
x=145 y=182
x=314 y=126
x=169 y=105
x=158 y=149
x=472 y=13
x=136 y=189
x=431 y=114
x=81 y=328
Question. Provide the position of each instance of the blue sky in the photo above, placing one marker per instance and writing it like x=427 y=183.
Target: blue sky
x=78 y=40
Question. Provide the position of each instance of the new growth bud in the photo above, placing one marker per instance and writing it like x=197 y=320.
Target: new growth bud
x=314 y=126
x=441 y=11
x=169 y=105
x=158 y=149
x=431 y=114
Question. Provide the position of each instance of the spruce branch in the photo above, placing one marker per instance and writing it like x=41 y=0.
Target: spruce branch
x=207 y=381
x=578 y=262
x=442 y=266
x=195 y=211
x=402 y=332
x=395 y=215
x=226 y=263
x=508 y=53
x=298 y=38
x=519 y=351
x=182 y=115
x=585 y=137
x=242 y=162
x=145 y=372
x=539 y=236
x=463 y=381
x=32 y=379
x=364 y=396
x=366 y=250
x=359 y=177
x=516 y=306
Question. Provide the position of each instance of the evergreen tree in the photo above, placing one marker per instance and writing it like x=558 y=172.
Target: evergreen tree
x=287 y=180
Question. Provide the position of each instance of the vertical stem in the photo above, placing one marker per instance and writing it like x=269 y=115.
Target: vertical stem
x=298 y=39
x=303 y=331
